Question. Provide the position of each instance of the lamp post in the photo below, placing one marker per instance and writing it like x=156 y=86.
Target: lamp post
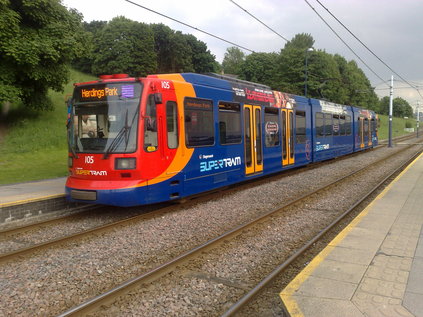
x=391 y=99
x=310 y=49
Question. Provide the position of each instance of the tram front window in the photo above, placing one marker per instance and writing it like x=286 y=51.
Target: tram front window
x=106 y=124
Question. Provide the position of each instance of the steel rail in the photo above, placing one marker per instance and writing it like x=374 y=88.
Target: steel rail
x=31 y=226
x=247 y=298
x=109 y=296
x=98 y=229
x=199 y=198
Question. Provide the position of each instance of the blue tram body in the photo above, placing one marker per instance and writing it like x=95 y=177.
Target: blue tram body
x=191 y=133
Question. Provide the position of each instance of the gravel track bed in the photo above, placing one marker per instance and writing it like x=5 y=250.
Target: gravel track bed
x=52 y=281
x=81 y=222
x=210 y=285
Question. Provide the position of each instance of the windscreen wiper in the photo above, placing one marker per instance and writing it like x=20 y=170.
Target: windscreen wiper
x=123 y=133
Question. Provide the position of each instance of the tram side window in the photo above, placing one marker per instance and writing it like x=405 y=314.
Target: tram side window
x=324 y=126
x=336 y=124
x=366 y=125
x=373 y=125
x=229 y=123
x=271 y=127
x=328 y=124
x=300 y=127
x=342 y=127
x=199 y=123
x=348 y=125
x=320 y=128
x=150 y=126
x=172 y=124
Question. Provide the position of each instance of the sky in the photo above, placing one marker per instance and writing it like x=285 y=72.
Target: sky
x=392 y=29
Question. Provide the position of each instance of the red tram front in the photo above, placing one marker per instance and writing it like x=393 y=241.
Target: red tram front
x=112 y=123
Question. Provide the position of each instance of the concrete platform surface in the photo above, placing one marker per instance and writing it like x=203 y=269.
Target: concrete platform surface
x=23 y=193
x=374 y=267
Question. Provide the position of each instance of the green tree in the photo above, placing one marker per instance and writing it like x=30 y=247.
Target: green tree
x=174 y=54
x=259 y=68
x=181 y=57
x=124 y=46
x=38 y=40
x=329 y=76
x=301 y=41
x=203 y=60
x=358 y=88
x=325 y=80
x=290 y=68
x=162 y=46
x=85 y=61
x=400 y=107
x=173 y=51
x=233 y=60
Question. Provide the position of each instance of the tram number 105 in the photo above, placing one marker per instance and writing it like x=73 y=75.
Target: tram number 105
x=89 y=159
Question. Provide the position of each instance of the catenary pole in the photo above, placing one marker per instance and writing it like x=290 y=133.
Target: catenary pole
x=418 y=118
x=391 y=96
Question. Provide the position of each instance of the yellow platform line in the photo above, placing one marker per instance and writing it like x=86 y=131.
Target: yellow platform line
x=30 y=200
x=287 y=293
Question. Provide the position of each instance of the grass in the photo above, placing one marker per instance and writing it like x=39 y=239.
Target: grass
x=398 y=125
x=35 y=145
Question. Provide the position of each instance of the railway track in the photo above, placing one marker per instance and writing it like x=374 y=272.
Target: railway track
x=58 y=278
x=93 y=230
x=11 y=240
x=249 y=297
x=74 y=213
x=184 y=261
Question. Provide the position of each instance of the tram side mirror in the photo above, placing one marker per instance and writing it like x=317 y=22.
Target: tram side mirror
x=68 y=100
x=68 y=104
x=158 y=98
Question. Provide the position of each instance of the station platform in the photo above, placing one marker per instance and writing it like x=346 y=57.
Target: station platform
x=32 y=191
x=24 y=200
x=374 y=267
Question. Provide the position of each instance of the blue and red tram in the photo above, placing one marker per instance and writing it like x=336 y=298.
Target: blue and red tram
x=135 y=141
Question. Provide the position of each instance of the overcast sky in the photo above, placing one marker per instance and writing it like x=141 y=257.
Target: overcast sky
x=390 y=28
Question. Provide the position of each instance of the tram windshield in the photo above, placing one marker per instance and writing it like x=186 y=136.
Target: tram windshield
x=104 y=118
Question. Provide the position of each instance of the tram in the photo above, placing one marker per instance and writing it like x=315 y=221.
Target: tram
x=136 y=141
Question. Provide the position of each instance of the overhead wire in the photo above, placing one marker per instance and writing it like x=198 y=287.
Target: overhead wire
x=345 y=43
x=268 y=27
x=373 y=53
x=190 y=26
x=388 y=88
x=257 y=19
x=281 y=36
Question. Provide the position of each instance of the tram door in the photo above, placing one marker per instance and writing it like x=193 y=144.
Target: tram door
x=288 y=137
x=368 y=124
x=361 y=131
x=253 y=139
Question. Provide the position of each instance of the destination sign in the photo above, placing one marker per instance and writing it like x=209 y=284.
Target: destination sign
x=197 y=103
x=101 y=92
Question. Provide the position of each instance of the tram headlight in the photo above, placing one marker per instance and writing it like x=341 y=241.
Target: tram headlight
x=125 y=163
